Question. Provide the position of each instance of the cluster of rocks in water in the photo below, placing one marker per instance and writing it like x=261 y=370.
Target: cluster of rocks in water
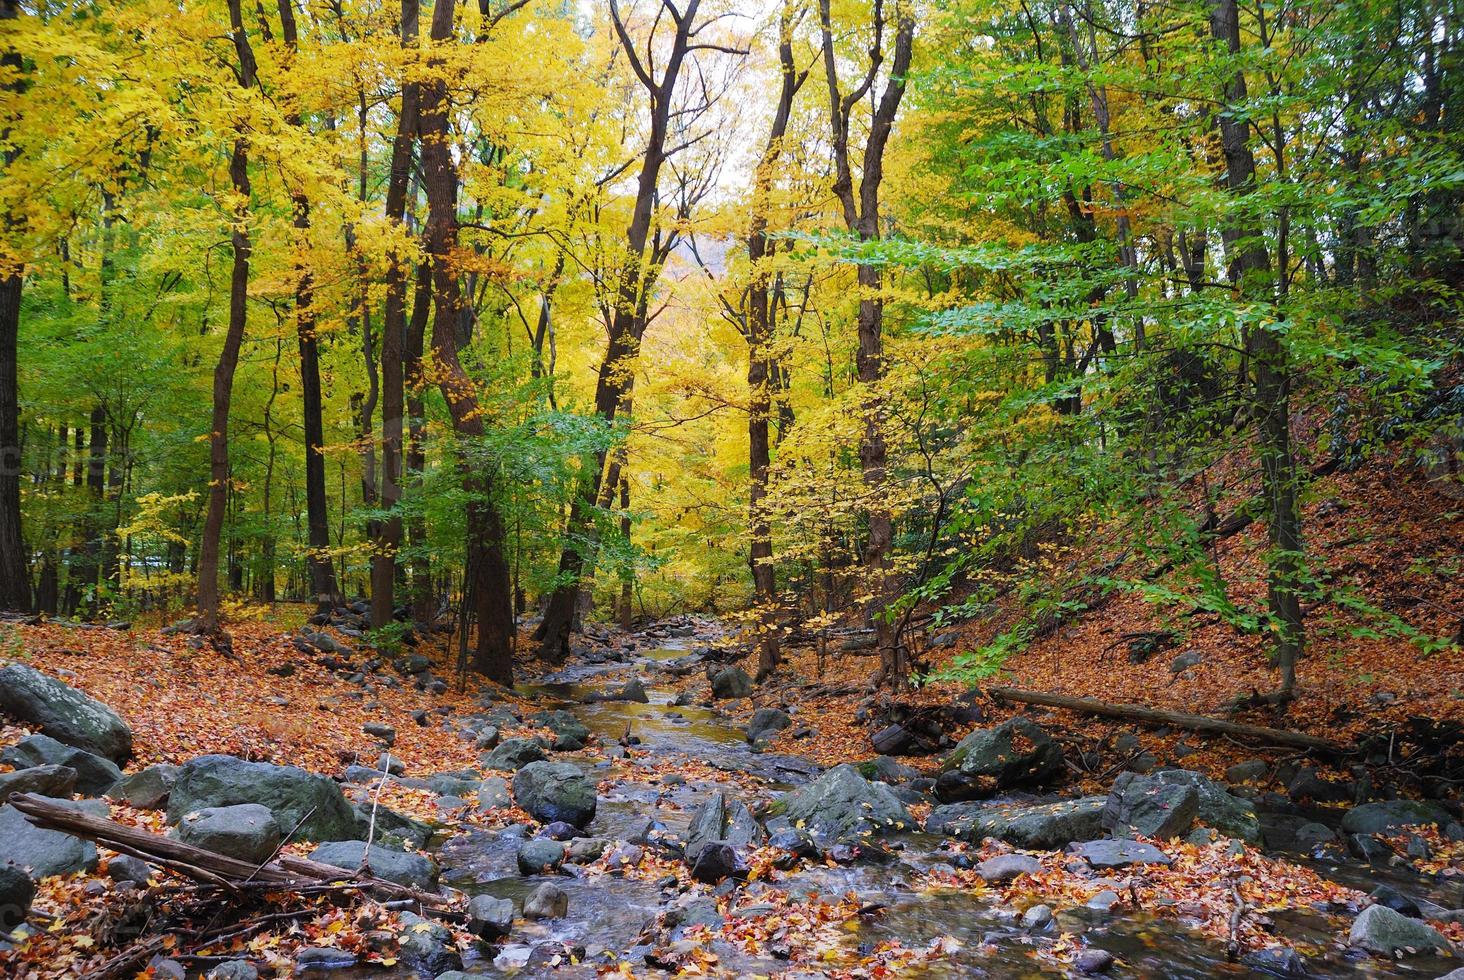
x=846 y=815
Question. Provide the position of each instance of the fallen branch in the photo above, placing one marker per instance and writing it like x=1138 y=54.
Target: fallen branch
x=286 y=873
x=1178 y=719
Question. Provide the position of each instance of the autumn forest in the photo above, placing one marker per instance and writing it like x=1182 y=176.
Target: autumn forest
x=1034 y=423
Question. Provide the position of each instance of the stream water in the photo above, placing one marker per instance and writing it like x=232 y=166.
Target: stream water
x=608 y=913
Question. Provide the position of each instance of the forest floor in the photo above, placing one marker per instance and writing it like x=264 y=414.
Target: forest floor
x=872 y=910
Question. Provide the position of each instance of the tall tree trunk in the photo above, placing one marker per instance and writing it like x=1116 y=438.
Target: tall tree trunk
x=207 y=620
x=416 y=455
x=393 y=328
x=317 y=519
x=487 y=560
x=1250 y=274
x=627 y=324
x=761 y=362
x=861 y=216
x=14 y=576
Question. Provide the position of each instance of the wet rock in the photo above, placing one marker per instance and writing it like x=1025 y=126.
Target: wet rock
x=1381 y=930
x=95 y=774
x=312 y=805
x=1366 y=847
x=843 y=804
x=1147 y=806
x=48 y=780
x=1308 y=786
x=633 y=690
x=1310 y=836
x=548 y=901
x=1391 y=898
x=124 y=867
x=1103 y=901
x=1005 y=867
x=1118 y=853
x=721 y=818
x=625 y=856
x=1037 y=917
x=1277 y=961
x=887 y=770
x=1091 y=961
x=489 y=918
x=493 y=794
x=428 y=945
x=1388 y=816
x=559 y=830
x=1038 y=827
x=17 y=891
x=234 y=970
x=43 y=852
x=551 y=791
x=795 y=845
x=1251 y=771
x=1015 y=753
x=539 y=856
x=570 y=734
x=715 y=862
x=246 y=831
x=583 y=850
x=731 y=682
x=767 y=722
x=514 y=753
x=404 y=868
x=147 y=789
x=63 y=713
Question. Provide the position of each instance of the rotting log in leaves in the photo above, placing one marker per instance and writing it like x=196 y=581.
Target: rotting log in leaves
x=1178 y=719
x=286 y=873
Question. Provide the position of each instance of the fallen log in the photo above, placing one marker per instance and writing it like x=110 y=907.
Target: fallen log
x=285 y=872
x=1177 y=719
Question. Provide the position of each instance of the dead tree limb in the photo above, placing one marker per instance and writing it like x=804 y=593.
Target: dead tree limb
x=1178 y=719
x=286 y=873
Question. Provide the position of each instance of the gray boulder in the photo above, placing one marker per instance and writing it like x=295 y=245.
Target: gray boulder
x=514 y=753
x=1218 y=808
x=246 y=831
x=124 y=867
x=552 y=791
x=148 y=788
x=427 y=946
x=1005 y=867
x=539 y=856
x=403 y=867
x=391 y=828
x=17 y=891
x=48 y=780
x=63 y=713
x=717 y=861
x=44 y=852
x=731 y=682
x=493 y=794
x=1041 y=827
x=1381 y=930
x=842 y=804
x=1390 y=815
x=1118 y=853
x=1146 y=806
x=1015 y=753
x=570 y=734
x=94 y=773
x=490 y=918
x=721 y=819
x=548 y=901
x=234 y=970
x=311 y=805
x=767 y=722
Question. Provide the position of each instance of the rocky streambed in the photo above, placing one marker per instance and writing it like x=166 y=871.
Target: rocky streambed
x=641 y=833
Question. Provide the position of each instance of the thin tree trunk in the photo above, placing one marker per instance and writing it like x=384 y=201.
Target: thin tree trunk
x=627 y=324
x=14 y=576
x=207 y=620
x=1250 y=274
x=317 y=520
x=861 y=216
